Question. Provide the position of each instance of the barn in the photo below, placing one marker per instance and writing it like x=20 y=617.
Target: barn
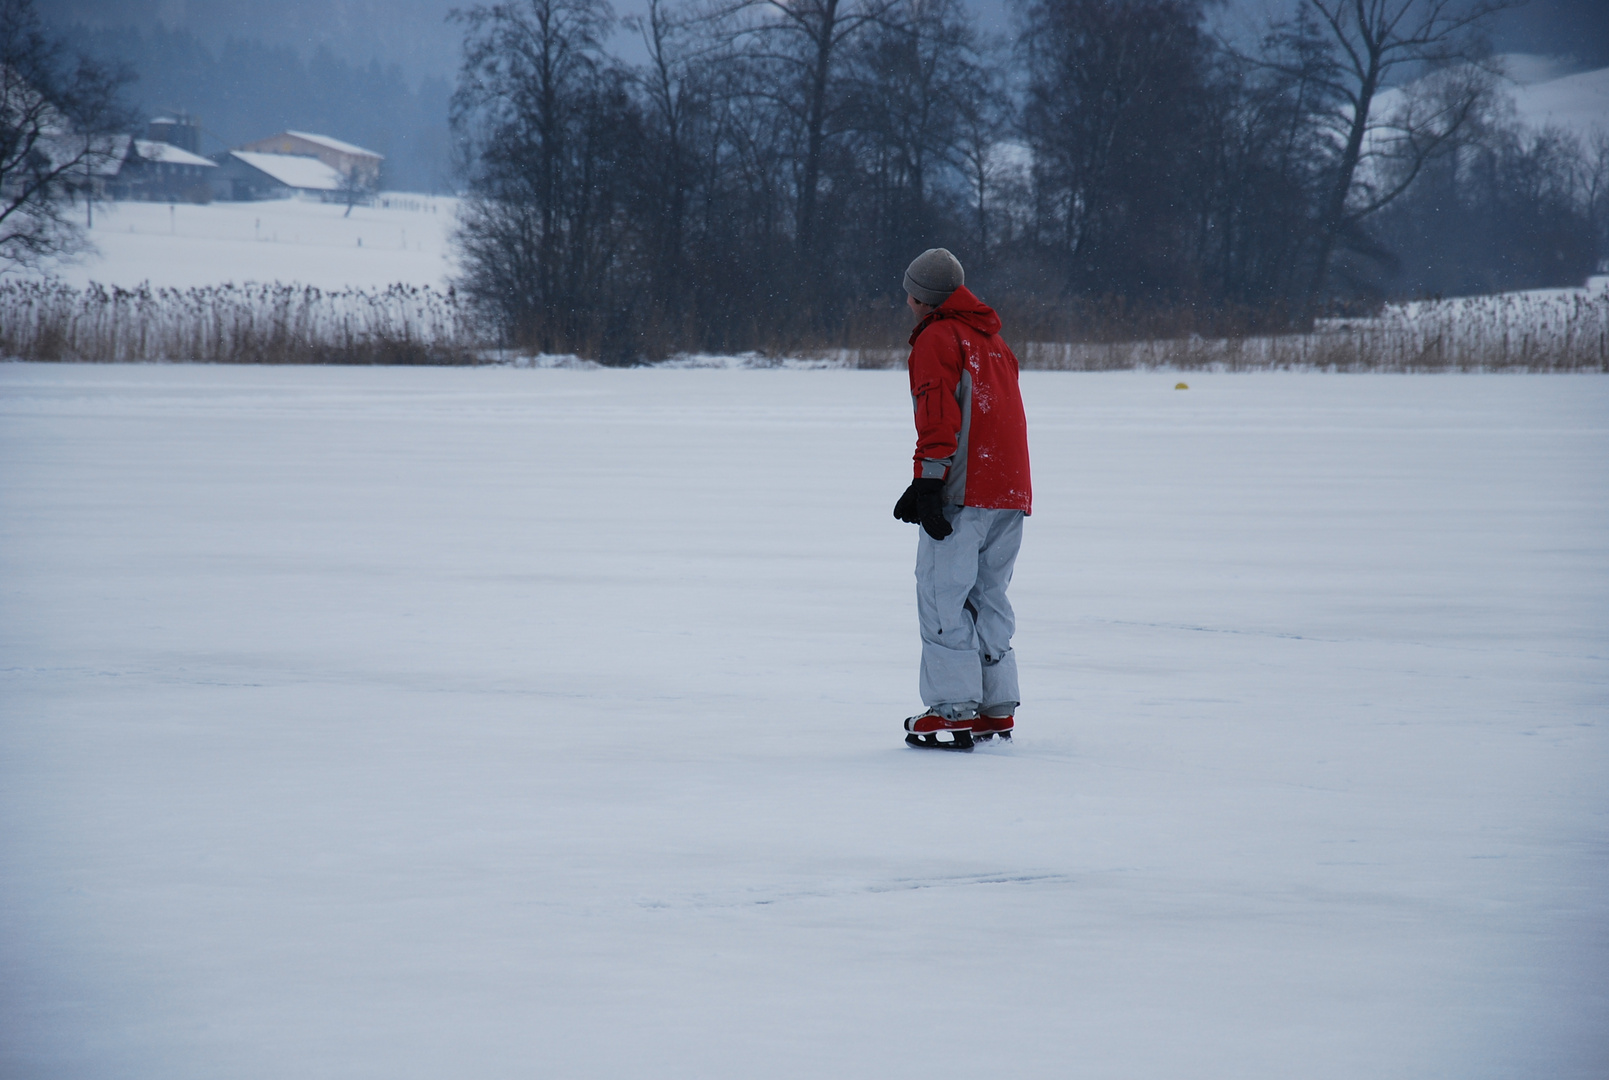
x=246 y=174
x=362 y=166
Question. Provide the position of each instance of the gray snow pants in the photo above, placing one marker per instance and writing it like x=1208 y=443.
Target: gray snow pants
x=966 y=620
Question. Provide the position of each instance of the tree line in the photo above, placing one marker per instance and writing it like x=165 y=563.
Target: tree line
x=761 y=178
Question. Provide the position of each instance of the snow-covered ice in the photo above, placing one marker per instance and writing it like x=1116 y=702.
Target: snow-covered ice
x=545 y=723
x=403 y=238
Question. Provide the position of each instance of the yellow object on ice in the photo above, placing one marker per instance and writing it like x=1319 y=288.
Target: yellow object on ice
x=1181 y=386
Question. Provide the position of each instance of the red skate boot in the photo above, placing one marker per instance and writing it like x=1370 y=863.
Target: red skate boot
x=985 y=728
x=926 y=730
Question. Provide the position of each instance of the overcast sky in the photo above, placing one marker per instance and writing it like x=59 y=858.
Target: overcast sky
x=412 y=33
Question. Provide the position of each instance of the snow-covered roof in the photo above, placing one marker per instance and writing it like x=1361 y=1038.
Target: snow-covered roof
x=294 y=170
x=334 y=144
x=168 y=154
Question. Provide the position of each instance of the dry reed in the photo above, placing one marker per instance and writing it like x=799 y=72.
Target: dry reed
x=1540 y=332
x=237 y=324
x=1562 y=331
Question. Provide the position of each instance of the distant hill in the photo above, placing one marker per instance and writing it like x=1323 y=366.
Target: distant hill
x=247 y=89
x=408 y=33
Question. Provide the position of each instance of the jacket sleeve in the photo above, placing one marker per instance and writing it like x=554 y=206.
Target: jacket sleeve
x=935 y=367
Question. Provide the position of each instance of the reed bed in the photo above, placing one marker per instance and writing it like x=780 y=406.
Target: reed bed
x=1557 y=331
x=237 y=324
x=1540 y=332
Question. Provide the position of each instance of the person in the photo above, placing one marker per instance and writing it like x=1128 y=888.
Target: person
x=969 y=494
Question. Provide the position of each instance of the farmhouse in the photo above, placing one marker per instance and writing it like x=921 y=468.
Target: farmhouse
x=159 y=171
x=360 y=165
x=123 y=167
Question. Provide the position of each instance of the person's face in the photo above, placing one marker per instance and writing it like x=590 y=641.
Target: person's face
x=918 y=308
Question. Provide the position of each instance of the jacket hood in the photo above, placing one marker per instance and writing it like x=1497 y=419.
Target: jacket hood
x=967 y=308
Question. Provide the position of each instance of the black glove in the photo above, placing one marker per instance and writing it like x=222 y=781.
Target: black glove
x=906 y=509
x=923 y=504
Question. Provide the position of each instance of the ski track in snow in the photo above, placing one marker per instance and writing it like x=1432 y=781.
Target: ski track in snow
x=405 y=723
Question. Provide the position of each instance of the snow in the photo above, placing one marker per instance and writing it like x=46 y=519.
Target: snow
x=1523 y=69
x=155 y=150
x=1578 y=103
x=294 y=170
x=504 y=723
x=404 y=238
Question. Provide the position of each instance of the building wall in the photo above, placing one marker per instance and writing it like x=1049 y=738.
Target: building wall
x=160 y=181
x=235 y=181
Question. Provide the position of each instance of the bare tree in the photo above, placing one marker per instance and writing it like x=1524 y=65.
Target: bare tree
x=914 y=81
x=1595 y=192
x=353 y=190
x=675 y=96
x=1432 y=52
x=59 y=134
x=803 y=41
x=757 y=177
x=530 y=108
x=1113 y=114
x=985 y=116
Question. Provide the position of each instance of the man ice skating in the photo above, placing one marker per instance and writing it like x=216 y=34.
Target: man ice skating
x=970 y=495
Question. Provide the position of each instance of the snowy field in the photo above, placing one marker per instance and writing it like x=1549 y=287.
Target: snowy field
x=502 y=724
x=403 y=238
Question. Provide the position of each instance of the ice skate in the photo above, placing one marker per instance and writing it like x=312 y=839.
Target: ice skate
x=930 y=731
x=985 y=728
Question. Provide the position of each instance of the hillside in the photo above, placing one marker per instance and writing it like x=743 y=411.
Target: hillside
x=1579 y=103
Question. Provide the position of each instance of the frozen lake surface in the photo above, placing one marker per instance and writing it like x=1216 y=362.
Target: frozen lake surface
x=509 y=724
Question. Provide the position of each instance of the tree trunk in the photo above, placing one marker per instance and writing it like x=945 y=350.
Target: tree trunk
x=1334 y=213
x=816 y=122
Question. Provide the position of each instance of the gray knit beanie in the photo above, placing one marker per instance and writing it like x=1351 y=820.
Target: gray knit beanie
x=933 y=276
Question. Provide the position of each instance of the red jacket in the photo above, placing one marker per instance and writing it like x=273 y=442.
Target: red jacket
x=970 y=427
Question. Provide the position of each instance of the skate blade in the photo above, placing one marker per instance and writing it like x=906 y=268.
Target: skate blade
x=930 y=741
